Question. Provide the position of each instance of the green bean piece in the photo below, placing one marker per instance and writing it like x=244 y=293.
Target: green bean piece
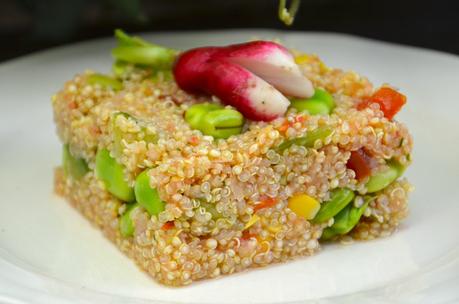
x=146 y=196
x=346 y=220
x=73 y=166
x=111 y=174
x=214 y=120
x=383 y=179
x=105 y=81
x=308 y=140
x=339 y=199
x=321 y=103
x=126 y=224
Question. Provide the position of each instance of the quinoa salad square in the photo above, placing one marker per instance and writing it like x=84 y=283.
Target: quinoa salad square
x=202 y=163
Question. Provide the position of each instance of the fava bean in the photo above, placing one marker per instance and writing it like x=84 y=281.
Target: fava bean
x=346 y=220
x=111 y=174
x=194 y=114
x=339 y=199
x=321 y=103
x=313 y=107
x=73 y=166
x=119 y=135
x=146 y=196
x=214 y=120
x=383 y=179
x=126 y=224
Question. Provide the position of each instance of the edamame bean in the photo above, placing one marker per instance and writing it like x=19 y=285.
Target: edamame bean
x=339 y=199
x=73 y=166
x=126 y=224
x=308 y=140
x=321 y=103
x=146 y=196
x=383 y=179
x=214 y=120
x=111 y=174
x=105 y=81
x=346 y=220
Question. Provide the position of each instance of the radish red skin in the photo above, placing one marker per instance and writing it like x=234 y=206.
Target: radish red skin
x=273 y=63
x=189 y=69
x=254 y=49
x=243 y=76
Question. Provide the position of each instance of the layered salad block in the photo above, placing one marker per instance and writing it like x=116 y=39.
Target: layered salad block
x=205 y=162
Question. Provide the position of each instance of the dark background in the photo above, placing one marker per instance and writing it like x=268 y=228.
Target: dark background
x=30 y=25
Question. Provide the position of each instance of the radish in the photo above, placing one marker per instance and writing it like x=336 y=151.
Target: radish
x=252 y=96
x=249 y=76
x=273 y=63
x=190 y=68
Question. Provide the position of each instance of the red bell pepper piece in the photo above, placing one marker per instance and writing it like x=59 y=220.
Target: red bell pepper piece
x=360 y=163
x=390 y=101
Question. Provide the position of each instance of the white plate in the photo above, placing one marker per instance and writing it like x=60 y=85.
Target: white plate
x=50 y=254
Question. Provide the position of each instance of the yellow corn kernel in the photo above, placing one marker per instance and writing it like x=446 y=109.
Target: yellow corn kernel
x=275 y=229
x=255 y=218
x=301 y=59
x=304 y=205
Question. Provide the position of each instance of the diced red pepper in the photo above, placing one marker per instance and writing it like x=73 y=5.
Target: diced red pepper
x=194 y=140
x=300 y=118
x=168 y=225
x=360 y=163
x=246 y=235
x=266 y=203
x=390 y=101
x=285 y=125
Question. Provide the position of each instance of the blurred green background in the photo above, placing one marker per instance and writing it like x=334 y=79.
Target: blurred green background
x=30 y=25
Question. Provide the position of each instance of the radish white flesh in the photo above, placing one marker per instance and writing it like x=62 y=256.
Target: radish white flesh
x=273 y=63
x=252 y=96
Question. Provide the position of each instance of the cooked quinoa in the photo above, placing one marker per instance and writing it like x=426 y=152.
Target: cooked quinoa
x=212 y=223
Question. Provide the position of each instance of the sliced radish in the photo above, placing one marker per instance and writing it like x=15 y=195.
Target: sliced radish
x=190 y=68
x=249 y=76
x=252 y=96
x=273 y=63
